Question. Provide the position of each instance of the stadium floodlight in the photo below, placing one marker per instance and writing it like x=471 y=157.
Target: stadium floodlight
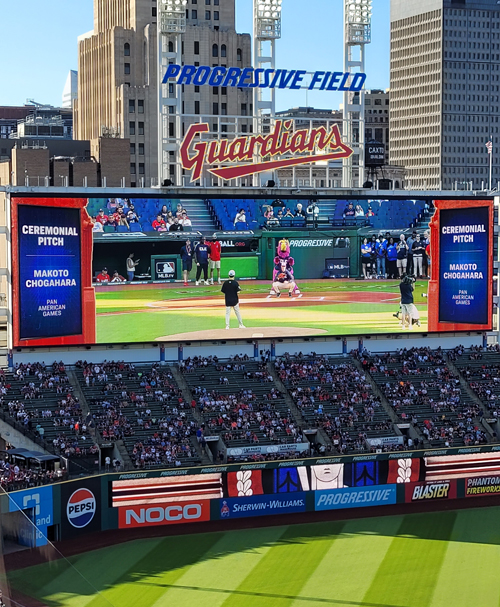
x=358 y=18
x=267 y=18
x=172 y=16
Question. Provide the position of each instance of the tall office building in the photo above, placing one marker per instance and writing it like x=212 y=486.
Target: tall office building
x=117 y=75
x=444 y=94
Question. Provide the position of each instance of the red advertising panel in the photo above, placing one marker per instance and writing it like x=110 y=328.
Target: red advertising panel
x=460 y=290
x=482 y=485
x=422 y=492
x=163 y=514
x=53 y=297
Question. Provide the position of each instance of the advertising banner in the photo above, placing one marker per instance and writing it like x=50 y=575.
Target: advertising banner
x=464 y=265
x=354 y=497
x=37 y=504
x=50 y=286
x=421 y=492
x=165 y=268
x=262 y=505
x=80 y=507
x=268 y=449
x=163 y=514
x=482 y=485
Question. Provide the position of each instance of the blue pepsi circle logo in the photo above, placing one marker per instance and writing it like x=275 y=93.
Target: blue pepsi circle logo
x=81 y=508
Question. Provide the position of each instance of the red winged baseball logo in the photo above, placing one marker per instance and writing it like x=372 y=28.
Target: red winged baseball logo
x=281 y=141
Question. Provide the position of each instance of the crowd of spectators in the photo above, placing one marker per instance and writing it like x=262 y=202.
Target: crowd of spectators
x=15 y=476
x=423 y=391
x=337 y=396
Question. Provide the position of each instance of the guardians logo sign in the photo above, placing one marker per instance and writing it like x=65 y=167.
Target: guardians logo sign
x=318 y=144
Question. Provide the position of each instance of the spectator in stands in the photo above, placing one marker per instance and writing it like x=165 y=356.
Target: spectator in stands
x=392 y=258
x=271 y=220
x=97 y=226
x=178 y=212
x=103 y=276
x=132 y=216
x=185 y=221
x=240 y=217
x=187 y=260
x=366 y=257
x=369 y=212
x=299 y=211
x=349 y=211
x=288 y=213
x=402 y=249
x=131 y=265
x=170 y=219
x=418 y=249
x=164 y=213
x=215 y=251
x=122 y=219
x=201 y=254
x=112 y=205
x=359 y=211
x=313 y=212
x=102 y=218
x=117 y=277
x=176 y=226
x=409 y=241
x=159 y=225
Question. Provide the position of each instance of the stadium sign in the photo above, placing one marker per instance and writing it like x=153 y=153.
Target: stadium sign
x=163 y=514
x=248 y=77
x=439 y=490
x=318 y=144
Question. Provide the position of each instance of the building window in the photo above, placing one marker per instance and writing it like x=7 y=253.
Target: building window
x=140 y=106
x=215 y=90
x=141 y=128
x=216 y=15
x=223 y=51
x=131 y=106
x=141 y=168
x=243 y=109
x=196 y=88
x=207 y=2
x=131 y=128
x=153 y=11
x=224 y=109
x=196 y=48
x=141 y=149
x=223 y=90
x=127 y=68
x=215 y=50
x=170 y=46
x=171 y=129
x=216 y=2
x=194 y=1
x=194 y=15
x=238 y=55
x=132 y=149
x=243 y=128
x=207 y=15
x=126 y=49
x=196 y=107
x=215 y=109
x=132 y=168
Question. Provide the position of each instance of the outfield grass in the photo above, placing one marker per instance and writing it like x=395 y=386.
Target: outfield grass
x=446 y=559
x=126 y=314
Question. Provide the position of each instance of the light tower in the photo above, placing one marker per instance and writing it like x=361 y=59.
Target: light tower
x=266 y=30
x=357 y=33
x=171 y=25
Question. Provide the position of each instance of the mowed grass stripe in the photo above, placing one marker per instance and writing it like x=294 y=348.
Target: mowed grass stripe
x=469 y=573
x=410 y=569
x=160 y=568
x=58 y=583
x=222 y=569
x=347 y=570
x=281 y=574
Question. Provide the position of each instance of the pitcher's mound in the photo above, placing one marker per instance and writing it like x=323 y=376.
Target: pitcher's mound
x=248 y=333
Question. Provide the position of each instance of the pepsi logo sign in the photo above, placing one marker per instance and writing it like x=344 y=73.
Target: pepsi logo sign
x=81 y=508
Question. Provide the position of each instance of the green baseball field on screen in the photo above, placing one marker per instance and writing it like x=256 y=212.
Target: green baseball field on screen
x=438 y=559
x=327 y=307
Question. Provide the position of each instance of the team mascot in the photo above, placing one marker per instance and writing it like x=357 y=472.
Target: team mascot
x=283 y=255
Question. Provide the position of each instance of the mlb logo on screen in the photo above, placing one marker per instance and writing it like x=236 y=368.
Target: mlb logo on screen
x=167 y=267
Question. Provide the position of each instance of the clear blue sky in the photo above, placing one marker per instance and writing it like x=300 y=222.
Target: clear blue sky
x=40 y=42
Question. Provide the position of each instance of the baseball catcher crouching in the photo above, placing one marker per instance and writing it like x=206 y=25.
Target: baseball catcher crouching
x=283 y=280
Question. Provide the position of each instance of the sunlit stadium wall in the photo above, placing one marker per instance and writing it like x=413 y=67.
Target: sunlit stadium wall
x=135 y=500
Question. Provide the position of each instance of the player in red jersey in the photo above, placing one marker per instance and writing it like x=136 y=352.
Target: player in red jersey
x=215 y=249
